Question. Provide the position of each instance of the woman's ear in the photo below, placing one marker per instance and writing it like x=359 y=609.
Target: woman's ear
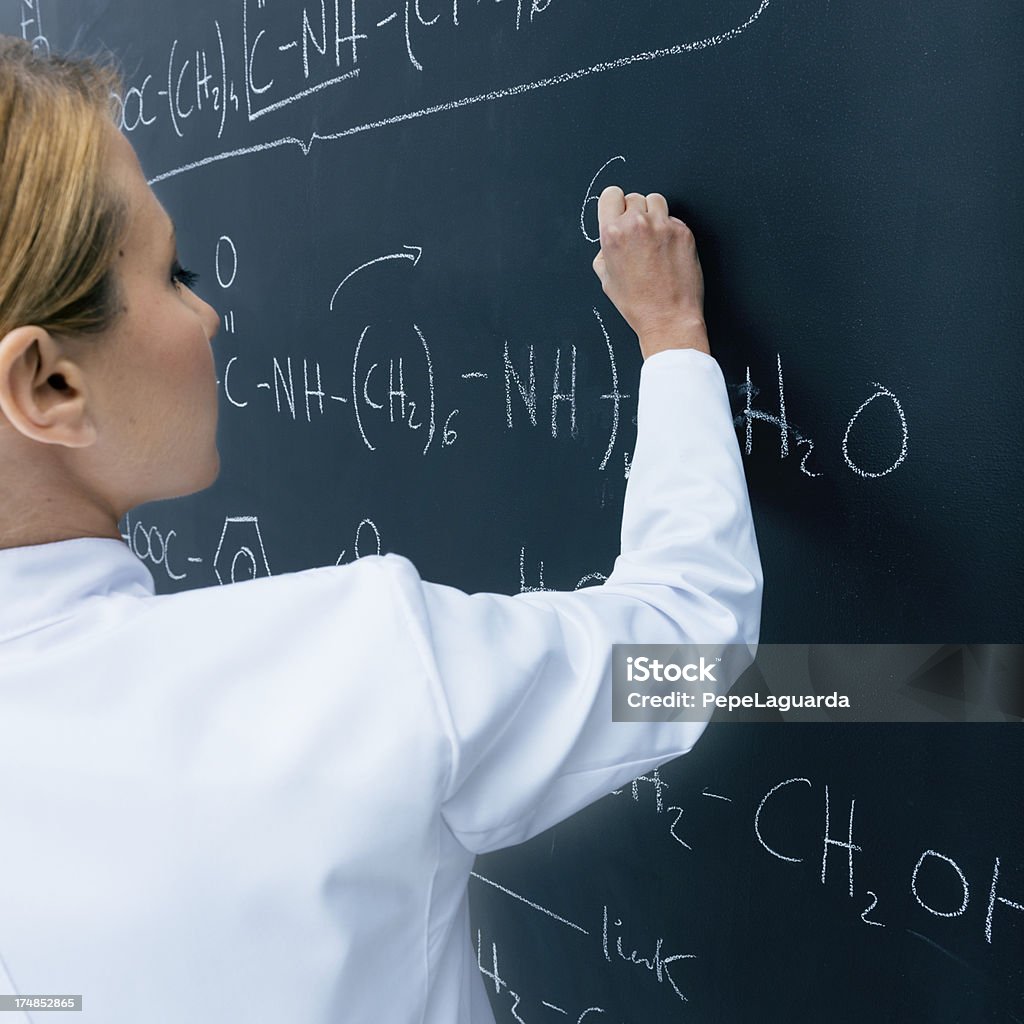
x=42 y=391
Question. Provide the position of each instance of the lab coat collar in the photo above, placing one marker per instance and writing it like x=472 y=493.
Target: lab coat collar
x=44 y=583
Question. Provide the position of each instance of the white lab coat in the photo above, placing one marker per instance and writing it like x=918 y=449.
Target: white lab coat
x=261 y=802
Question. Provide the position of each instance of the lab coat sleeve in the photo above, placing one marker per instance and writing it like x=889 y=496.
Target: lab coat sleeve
x=522 y=684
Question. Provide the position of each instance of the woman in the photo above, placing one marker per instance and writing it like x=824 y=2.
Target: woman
x=261 y=802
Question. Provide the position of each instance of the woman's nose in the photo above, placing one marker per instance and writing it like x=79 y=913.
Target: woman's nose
x=211 y=319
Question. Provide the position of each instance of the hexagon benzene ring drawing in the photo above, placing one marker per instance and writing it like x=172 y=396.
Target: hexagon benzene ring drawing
x=251 y=553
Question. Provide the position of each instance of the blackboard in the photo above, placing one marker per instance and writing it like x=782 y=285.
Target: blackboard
x=392 y=207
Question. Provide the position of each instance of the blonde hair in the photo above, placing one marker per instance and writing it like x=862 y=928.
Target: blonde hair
x=60 y=219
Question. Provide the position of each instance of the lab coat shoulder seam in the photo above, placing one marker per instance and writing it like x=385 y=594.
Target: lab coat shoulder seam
x=392 y=565
x=442 y=712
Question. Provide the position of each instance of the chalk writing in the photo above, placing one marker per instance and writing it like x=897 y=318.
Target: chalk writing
x=931 y=867
x=787 y=428
x=240 y=553
x=32 y=25
x=300 y=60
x=153 y=545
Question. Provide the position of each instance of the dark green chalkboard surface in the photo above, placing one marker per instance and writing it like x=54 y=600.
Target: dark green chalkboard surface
x=392 y=205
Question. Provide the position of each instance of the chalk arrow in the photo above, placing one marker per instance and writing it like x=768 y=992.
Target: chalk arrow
x=391 y=256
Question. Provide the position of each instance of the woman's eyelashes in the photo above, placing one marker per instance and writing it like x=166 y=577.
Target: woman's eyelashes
x=180 y=275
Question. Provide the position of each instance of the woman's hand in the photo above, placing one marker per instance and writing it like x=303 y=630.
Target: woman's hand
x=648 y=267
